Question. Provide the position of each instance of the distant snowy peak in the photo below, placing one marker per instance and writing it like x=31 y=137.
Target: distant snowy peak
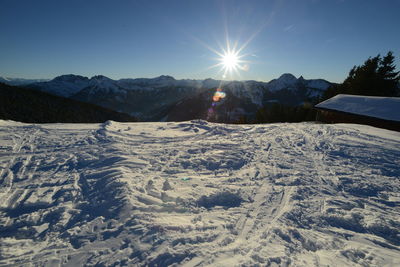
x=100 y=79
x=70 y=84
x=64 y=85
x=318 y=84
x=19 y=81
x=286 y=80
x=103 y=82
x=70 y=78
x=164 y=78
x=289 y=81
x=147 y=83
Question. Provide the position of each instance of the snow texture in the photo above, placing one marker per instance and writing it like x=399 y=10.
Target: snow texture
x=373 y=106
x=198 y=194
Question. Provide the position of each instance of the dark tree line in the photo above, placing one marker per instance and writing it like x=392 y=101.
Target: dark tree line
x=284 y=113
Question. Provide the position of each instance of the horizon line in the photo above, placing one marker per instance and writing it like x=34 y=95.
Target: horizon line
x=133 y=78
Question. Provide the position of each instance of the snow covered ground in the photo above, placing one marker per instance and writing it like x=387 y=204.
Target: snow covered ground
x=199 y=194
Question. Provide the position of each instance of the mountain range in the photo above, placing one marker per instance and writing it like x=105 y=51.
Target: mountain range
x=165 y=98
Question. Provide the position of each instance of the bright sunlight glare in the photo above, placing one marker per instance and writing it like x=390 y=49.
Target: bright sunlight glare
x=230 y=61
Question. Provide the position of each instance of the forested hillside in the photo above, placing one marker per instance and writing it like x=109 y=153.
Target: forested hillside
x=20 y=104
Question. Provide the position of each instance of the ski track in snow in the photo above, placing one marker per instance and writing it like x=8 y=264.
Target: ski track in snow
x=198 y=194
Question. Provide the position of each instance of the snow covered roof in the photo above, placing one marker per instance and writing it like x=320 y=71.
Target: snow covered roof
x=386 y=108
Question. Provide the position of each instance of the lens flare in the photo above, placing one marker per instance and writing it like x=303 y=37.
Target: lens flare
x=218 y=95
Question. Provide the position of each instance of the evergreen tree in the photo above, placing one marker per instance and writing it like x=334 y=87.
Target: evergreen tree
x=363 y=80
x=376 y=77
x=389 y=77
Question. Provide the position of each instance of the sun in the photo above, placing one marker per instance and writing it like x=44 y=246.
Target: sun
x=230 y=60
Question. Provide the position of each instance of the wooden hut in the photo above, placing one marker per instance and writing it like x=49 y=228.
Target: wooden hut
x=382 y=112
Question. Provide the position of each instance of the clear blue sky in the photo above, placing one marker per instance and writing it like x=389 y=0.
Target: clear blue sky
x=145 y=38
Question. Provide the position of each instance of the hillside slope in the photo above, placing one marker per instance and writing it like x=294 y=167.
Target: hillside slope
x=199 y=194
x=26 y=105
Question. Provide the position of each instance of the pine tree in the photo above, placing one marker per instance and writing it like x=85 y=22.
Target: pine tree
x=362 y=80
x=388 y=76
x=376 y=77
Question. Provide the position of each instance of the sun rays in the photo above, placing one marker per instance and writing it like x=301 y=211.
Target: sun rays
x=230 y=61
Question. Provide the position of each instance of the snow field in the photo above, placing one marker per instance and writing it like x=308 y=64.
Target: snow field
x=199 y=194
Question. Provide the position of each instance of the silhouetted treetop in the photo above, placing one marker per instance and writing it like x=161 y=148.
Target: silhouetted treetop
x=376 y=77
